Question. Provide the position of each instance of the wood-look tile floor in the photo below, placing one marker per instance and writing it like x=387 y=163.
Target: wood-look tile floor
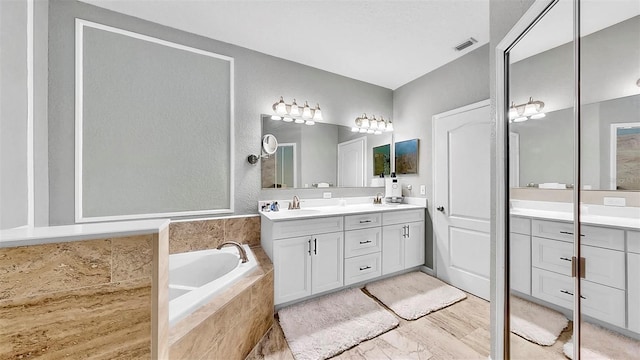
x=460 y=331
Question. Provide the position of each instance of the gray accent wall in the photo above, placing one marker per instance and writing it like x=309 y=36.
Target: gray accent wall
x=456 y=84
x=259 y=81
x=13 y=114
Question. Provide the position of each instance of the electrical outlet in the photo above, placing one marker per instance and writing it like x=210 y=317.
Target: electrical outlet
x=326 y=195
x=423 y=189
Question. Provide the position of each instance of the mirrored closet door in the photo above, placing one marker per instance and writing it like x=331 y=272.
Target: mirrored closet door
x=571 y=129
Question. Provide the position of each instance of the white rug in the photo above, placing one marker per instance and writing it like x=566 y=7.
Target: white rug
x=536 y=323
x=323 y=327
x=414 y=294
x=600 y=343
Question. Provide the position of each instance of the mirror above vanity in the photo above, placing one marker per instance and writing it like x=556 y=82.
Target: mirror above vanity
x=610 y=107
x=310 y=156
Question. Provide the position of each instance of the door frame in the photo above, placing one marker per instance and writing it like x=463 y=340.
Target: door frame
x=363 y=140
x=295 y=162
x=500 y=324
x=432 y=206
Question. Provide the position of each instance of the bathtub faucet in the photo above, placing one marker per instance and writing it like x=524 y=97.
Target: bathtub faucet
x=243 y=254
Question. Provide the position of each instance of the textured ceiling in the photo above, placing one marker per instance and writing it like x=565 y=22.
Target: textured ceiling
x=387 y=43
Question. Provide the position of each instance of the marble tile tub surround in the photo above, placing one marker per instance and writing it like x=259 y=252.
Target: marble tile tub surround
x=81 y=298
x=202 y=234
x=233 y=323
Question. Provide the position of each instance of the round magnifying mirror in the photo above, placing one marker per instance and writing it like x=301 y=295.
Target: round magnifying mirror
x=269 y=144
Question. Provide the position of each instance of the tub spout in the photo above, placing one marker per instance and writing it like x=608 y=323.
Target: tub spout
x=243 y=254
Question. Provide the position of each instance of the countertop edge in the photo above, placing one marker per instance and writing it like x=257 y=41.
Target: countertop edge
x=79 y=232
x=345 y=212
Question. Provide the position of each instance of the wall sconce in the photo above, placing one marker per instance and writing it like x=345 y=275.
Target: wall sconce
x=292 y=113
x=372 y=125
x=529 y=110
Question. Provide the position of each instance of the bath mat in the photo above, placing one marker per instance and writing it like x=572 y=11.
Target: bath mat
x=536 y=323
x=415 y=294
x=600 y=343
x=323 y=327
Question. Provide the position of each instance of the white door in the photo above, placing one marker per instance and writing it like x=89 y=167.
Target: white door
x=460 y=210
x=292 y=268
x=327 y=263
x=351 y=161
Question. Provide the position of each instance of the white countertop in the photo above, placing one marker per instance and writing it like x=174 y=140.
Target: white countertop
x=621 y=217
x=316 y=208
x=57 y=234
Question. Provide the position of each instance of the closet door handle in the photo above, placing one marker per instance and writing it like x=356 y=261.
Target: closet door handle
x=315 y=246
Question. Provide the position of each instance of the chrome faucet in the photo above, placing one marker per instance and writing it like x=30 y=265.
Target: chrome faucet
x=378 y=198
x=243 y=254
x=295 y=204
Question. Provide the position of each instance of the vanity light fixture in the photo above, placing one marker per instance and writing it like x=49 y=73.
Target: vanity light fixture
x=366 y=125
x=529 y=110
x=293 y=113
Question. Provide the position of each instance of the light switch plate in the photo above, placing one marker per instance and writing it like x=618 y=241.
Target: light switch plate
x=615 y=201
x=423 y=190
x=326 y=195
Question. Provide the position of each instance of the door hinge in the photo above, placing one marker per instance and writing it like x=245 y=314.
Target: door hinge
x=578 y=267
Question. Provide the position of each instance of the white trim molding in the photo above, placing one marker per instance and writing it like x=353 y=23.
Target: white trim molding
x=80 y=24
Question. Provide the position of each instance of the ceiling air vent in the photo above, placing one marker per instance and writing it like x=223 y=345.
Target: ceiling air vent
x=465 y=44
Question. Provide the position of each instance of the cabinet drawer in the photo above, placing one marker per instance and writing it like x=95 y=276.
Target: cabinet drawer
x=293 y=228
x=633 y=241
x=403 y=216
x=362 y=268
x=362 y=221
x=362 y=242
x=602 y=266
x=599 y=301
x=591 y=235
x=520 y=225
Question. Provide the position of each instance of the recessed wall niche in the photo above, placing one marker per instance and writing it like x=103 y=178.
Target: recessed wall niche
x=154 y=127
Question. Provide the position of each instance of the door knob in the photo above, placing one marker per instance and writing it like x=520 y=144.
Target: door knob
x=440 y=208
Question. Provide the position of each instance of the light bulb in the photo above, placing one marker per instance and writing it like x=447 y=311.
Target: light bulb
x=378 y=132
x=365 y=121
x=355 y=129
x=310 y=122
x=370 y=131
x=295 y=110
x=287 y=119
x=280 y=107
x=538 y=116
x=529 y=110
x=306 y=111
x=513 y=113
x=373 y=123
x=520 y=119
x=389 y=126
x=362 y=130
x=275 y=117
x=299 y=121
x=317 y=114
x=381 y=124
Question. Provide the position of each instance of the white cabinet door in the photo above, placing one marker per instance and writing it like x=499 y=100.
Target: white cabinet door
x=392 y=248
x=633 y=291
x=327 y=262
x=520 y=262
x=292 y=269
x=414 y=245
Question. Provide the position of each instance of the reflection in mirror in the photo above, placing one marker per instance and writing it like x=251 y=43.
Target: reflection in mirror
x=539 y=309
x=309 y=156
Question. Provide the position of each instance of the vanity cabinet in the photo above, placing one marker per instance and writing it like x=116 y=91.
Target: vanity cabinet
x=315 y=255
x=402 y=240
x=603 y=288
